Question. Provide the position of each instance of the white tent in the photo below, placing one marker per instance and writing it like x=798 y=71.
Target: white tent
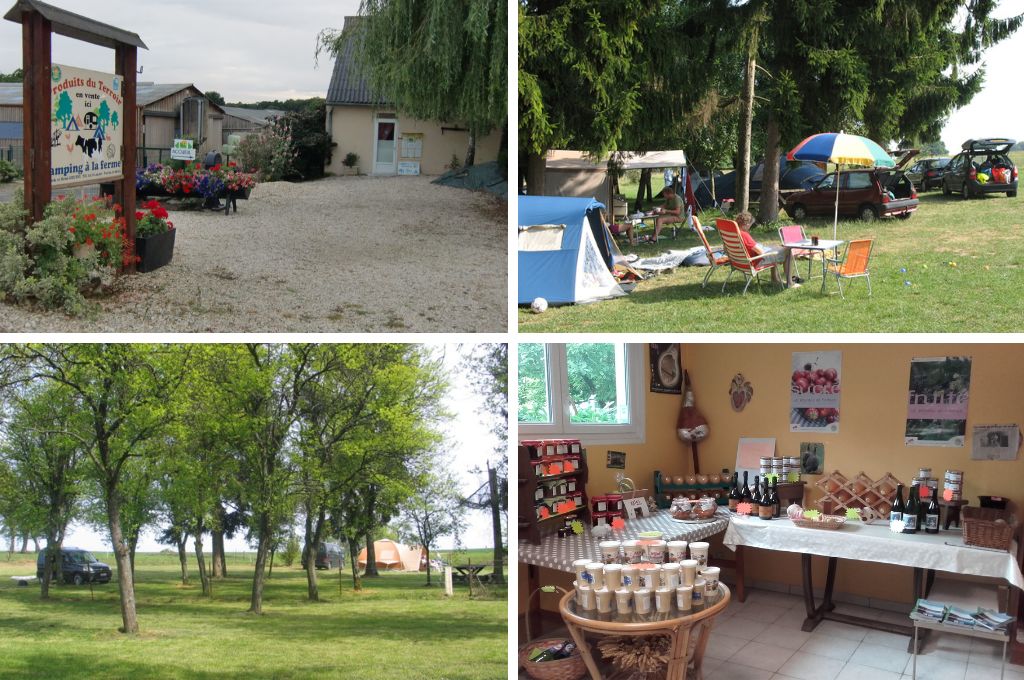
x=391 y=556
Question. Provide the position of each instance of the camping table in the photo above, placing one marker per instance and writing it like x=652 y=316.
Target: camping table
x=944 y=551
x=674 y=623
x=823 y=246
x=471 y=571
x=653 y=217
x=559 y=553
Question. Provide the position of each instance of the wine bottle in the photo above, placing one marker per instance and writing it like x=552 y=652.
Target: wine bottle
x=745 y=496
x=931 y=516
x=755 y=494
x=765 y=509
x=776 y=503
x=896 y=514
x=735 y=495
x=910 y=514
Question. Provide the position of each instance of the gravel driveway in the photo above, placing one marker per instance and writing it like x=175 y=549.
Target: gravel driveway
x=344 y=254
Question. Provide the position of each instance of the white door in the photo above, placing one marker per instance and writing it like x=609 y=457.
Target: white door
x=385 y=149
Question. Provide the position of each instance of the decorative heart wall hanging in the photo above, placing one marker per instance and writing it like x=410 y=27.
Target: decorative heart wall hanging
x=740 y=392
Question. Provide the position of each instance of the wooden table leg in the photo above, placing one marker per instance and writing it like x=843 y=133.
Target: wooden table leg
x=679 y=640
x=581 y=644
x=533 y=613
x=830 y=582
x=813 y=613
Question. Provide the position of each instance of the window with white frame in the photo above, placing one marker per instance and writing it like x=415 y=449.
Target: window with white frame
x=592 y=391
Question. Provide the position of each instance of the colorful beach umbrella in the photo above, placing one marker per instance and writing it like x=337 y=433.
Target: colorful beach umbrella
x=841 y=149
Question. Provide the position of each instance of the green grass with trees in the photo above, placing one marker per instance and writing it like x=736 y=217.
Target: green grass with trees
x=395 y=628
x=979 y=294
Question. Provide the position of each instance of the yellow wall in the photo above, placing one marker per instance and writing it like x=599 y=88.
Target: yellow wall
x=352 y=129
x=875 y=379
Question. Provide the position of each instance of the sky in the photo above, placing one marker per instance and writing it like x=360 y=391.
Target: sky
x=247 y=50
x=469 y=443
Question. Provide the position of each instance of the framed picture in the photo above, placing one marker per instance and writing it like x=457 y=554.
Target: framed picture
x=812 y=458
x=995 y=442
x=666 y=372
x=617 y=459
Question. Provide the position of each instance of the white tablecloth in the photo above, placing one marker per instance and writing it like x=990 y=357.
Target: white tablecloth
x=559 y=553
x=875 y=543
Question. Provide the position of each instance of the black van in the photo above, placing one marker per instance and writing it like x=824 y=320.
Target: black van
x=328 y=556
x=77 y=566
x=983 y=167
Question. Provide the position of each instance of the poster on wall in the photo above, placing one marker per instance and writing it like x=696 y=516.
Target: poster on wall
x=937 y=401
x=814 y=392
x=995 y=442
x=85 y=119
x=666 y=373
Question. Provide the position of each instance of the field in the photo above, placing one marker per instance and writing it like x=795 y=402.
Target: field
x=954 y=266
x=395 y=628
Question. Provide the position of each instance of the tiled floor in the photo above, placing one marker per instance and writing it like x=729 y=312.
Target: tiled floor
x=761 y=639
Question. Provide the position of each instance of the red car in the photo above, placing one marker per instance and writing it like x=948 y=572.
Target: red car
x=865 y=193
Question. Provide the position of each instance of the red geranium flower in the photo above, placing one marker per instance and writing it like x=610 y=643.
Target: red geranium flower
x=139 y=215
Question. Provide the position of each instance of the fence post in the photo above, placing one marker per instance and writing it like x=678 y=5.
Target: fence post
x=448 y=589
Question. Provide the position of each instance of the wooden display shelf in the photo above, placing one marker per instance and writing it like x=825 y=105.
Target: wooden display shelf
x=532 y=527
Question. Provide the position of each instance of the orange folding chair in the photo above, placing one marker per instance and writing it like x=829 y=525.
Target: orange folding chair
x=714 y=259
x=854 y=264
x=739 y=260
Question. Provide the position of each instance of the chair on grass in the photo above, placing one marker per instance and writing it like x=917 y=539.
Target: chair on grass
x=714 y=259
x=794 y=233
x=739 y=260
x=854 y=264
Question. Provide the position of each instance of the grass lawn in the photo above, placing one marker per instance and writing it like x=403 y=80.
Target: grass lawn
x=981 y=293
x=396 y=628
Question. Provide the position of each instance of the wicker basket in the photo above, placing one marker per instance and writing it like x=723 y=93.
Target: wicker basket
x=830 y=522
x=569 y=668
x=980 y=527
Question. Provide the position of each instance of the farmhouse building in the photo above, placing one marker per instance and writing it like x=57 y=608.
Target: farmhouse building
x=387 y=142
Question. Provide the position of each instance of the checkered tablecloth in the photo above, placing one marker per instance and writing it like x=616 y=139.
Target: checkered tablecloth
x=559 y=553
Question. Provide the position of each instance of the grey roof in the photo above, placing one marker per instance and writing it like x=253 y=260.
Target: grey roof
x=257 y=116
x=75 y=25
x=147 y=93
x=11 y=94
x=347 y=83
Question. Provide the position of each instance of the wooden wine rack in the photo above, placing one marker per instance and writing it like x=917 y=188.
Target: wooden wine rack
x=841 y=494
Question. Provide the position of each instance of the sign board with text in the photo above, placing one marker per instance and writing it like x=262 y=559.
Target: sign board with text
x=183 y=150
x=86 y=116
x=408 y=168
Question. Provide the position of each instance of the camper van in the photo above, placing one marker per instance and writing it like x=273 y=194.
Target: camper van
x=328 y=556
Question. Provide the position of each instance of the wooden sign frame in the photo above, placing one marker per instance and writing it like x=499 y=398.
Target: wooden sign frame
x=39 y=21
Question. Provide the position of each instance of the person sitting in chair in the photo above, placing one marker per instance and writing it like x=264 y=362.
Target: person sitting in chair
x=778 y=255
x=618 y=229
x=672 y=212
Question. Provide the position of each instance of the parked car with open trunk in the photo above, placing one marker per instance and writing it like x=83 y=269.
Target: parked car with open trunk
x=867 y=193
x=982 y=167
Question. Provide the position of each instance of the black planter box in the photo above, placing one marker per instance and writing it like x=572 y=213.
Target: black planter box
x=155 y=251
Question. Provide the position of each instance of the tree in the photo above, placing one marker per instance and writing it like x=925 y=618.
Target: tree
x=64 y=112
x=121 y=392
x=489 y=363
x=434 y=59
x=434 y=511
x=115 y=120
x=15 y=76
x=103 y=117
x=215 y=97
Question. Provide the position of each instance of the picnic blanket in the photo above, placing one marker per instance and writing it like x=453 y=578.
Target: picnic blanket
x=667 y=260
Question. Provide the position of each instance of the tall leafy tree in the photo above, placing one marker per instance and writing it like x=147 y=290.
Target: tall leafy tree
x=121 y=391
x=432 y=512
x=442 y=60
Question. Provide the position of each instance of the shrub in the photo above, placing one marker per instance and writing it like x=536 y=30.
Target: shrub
x=8 y=172
x=269 y=152
x=310 y=142
x=351 y=160
x=76 y=247
x=291 y=550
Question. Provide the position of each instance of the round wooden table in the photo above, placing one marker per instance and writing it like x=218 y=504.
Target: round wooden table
x=678 y=626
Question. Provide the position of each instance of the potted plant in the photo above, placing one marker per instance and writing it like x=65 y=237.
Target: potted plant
x=351 y=162
x=154 y=237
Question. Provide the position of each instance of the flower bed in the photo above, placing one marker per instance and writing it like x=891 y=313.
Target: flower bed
x=194 y=181
x=75 y=249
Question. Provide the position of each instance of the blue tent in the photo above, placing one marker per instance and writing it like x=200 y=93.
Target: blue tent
x=565 y=251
